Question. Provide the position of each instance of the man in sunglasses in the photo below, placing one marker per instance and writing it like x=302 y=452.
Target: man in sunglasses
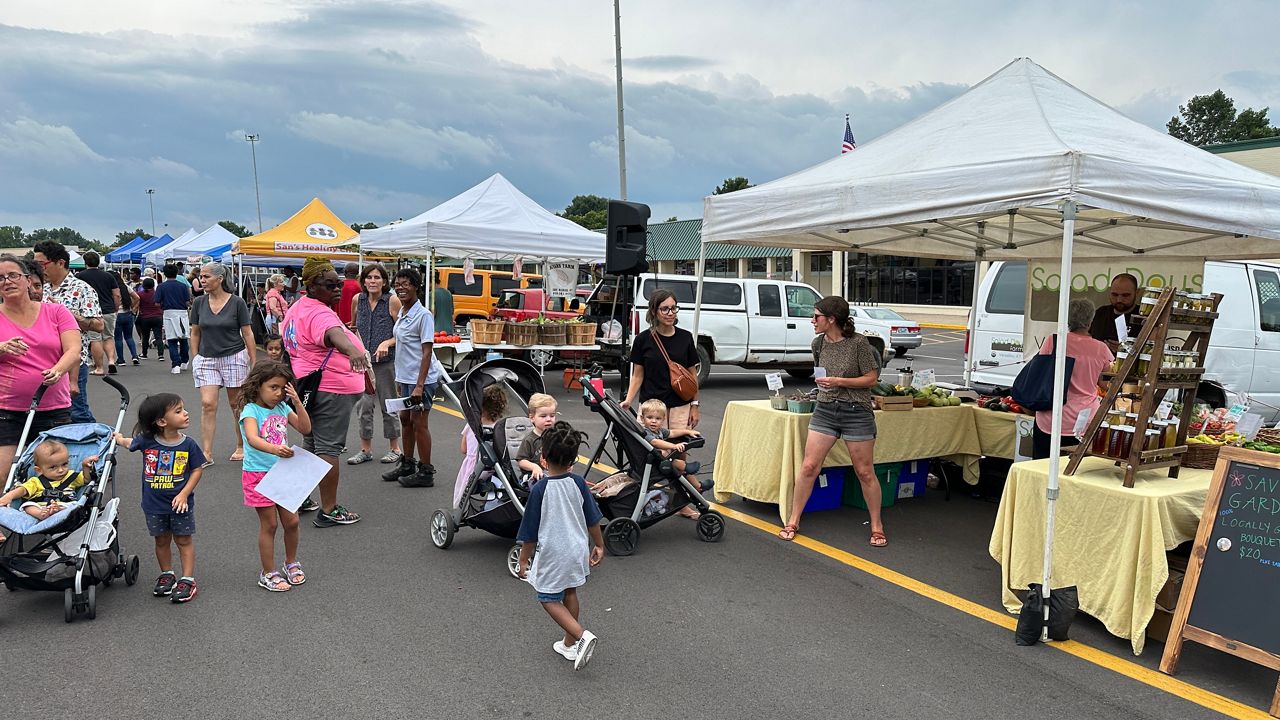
x=77 y=296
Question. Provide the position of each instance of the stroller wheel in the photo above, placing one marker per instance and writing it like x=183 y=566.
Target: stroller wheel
x=68 y=605
x=513 y=561
x=621 y=536
x=92 y=604
x=441 y=529
x=131 y=570
x=710 y=526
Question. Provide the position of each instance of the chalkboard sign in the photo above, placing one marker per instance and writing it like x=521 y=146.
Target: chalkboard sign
x=1232 y=588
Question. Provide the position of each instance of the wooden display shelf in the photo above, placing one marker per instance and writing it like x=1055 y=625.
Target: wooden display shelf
x=1154 y=384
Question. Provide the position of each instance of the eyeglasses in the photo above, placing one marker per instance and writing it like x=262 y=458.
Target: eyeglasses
x=13 y=277
x=44 y=263
x=818 y=315
x=334 y=285
x=669 y=309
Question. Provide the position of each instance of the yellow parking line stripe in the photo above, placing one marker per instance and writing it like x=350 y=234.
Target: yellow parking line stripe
x=1101 y=658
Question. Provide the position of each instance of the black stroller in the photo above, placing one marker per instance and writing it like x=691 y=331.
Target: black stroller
x=78 y=548
x=494 y=497
x=646 y=489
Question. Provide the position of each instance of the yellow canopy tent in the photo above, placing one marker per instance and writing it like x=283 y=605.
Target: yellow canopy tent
x=313 y=230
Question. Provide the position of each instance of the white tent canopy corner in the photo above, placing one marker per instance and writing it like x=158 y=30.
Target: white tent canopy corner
x=491 y=220
x=1021 y=166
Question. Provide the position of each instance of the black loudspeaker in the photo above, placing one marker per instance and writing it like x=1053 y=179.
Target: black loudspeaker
x=626 y=242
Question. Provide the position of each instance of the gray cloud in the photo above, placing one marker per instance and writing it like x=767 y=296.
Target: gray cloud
x=668 y=63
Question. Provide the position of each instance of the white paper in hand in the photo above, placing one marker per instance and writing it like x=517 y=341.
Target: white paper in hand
x=1122 y=327
x=819 y=372
x=291 y=480
x=397 y=404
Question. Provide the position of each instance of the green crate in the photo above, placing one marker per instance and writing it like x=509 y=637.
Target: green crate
x=886 y=473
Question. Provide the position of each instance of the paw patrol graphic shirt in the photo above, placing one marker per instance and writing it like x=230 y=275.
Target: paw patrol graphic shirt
x=165 y=471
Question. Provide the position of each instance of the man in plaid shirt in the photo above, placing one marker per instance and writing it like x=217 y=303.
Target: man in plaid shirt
x=78 y=297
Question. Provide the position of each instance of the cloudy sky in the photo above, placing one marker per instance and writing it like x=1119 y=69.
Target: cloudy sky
x=383 y=109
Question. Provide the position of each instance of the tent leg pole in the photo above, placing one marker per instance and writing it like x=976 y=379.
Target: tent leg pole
x=1059 y=371
x=978 y=256
x=697 y=298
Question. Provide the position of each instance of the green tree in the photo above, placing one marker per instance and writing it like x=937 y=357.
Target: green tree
x=673 y=218
x=234 y=228
x=732 y=184
x=1211 y=119
x=127 y=235
x=64 y=235
x=367 y=226
x=12 y=236
x=589 y=211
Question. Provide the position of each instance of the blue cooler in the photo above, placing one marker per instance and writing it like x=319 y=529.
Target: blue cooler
x=913 y=479
x=828 y=490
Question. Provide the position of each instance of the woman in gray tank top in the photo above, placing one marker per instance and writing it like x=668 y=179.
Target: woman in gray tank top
x=373 y=315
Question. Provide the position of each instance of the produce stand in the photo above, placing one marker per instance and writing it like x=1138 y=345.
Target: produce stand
x=1110 y=540
x=451 y=355
x=761 y=449
x=544 y=357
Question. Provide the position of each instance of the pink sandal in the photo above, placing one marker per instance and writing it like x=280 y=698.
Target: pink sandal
x=293 y=573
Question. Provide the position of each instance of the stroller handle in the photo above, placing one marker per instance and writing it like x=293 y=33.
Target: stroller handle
x=40 y=391
x=124 y=391
x=695 y=443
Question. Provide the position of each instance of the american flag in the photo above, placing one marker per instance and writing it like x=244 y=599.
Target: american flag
x=848 y=144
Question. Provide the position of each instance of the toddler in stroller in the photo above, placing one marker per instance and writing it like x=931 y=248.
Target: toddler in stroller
x=54 y=485
x=653 y=415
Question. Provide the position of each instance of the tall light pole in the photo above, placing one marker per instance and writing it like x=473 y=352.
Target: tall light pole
x=253 y=139
x=151 y=201
x=622 y=135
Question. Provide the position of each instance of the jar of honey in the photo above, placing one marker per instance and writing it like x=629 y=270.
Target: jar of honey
x=1099 y=446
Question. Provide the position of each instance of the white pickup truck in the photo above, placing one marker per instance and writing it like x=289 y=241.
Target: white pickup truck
x=751 y=323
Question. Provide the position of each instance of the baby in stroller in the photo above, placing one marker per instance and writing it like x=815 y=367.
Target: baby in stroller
x=493 y=405
x=54 y=484
x=653 y=415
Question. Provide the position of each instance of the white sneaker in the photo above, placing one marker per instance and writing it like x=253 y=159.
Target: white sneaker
x=585 y=646
x=184 y=366
x=569 y=652
x=176 y=370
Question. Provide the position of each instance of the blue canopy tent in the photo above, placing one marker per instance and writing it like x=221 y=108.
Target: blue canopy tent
x=137 y=253
x=122 y=253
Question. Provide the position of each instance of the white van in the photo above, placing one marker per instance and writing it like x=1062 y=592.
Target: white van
x=1244 y=348
x=751 y=323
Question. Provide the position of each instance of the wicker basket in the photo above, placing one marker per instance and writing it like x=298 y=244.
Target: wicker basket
x=522 y=335
x=1201 y=456
x=487 y=332
x=1270 y=436
x=581 y=333
x=552 y=333
x=919 y=402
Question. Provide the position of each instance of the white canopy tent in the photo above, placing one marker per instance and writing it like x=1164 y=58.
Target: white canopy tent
x=213 y=238
x=1022 y=166
x=491 y=220
x=161 y=250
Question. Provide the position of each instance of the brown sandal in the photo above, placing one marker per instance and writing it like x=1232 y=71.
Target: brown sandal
x=878 y=539
x=788 y=532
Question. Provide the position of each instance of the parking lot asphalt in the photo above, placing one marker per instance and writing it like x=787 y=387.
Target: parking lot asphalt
x=388 y=626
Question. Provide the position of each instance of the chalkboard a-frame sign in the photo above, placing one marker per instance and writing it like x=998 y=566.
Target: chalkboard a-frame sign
x=1231 y=594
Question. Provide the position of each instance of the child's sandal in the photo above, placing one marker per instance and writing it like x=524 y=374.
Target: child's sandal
x=273 y=582
x=293 y=573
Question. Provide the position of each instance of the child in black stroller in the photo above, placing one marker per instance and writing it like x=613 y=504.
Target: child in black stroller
x=650 y=484
x=492 y=496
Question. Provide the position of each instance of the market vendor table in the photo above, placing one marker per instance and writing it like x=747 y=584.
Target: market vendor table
x=1109 y=541
x=451 y=354
x=997 y=431
x=760 y=449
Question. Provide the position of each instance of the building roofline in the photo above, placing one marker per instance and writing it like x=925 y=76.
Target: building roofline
x=1241 y=145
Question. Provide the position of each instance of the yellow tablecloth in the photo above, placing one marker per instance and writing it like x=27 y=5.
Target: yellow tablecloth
x=760 y=450
x=1109 y=541
x=996 y=433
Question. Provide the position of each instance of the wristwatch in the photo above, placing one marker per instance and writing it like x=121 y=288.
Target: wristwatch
x=695 y=403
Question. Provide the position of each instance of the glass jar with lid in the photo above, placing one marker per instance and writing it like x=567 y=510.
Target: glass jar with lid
x=1101 y=439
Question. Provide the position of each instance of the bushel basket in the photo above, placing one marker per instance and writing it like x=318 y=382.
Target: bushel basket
x=551 y=334
x=522 y=335
x=487 y=332
x=580 y=333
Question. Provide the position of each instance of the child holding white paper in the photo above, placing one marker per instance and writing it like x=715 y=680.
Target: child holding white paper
x=263 y=420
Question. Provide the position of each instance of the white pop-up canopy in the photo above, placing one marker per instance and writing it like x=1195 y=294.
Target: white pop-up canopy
x=491 y=220
x=1023 y=165
x=215 y=237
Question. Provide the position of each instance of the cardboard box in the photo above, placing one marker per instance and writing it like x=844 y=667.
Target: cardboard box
x=893 y=404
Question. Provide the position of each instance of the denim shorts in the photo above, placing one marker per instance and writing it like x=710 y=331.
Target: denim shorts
x=171 y=523
x=844 y=420
x=551 y=597
x=428 y=393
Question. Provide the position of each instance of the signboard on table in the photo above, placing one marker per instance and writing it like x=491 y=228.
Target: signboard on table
x=1023 y=438
x=561 y=280
x=1091 y=280
x=1232 y=586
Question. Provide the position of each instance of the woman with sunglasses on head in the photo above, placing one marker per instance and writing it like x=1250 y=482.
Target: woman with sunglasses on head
x=39 y=345
x=844 y=411
x=650 y=374
x=223 y=350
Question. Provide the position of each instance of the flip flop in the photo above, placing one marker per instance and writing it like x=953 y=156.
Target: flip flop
x=237 y=456
x=788 y=532
x=878 y=539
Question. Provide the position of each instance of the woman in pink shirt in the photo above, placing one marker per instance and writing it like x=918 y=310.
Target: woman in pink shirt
x=316 y=338
x=39 y=345
x=1091 y=358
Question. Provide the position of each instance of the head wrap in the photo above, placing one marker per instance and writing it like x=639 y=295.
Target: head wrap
x=313 y=268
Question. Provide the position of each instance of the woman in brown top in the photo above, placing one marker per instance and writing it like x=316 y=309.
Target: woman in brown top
x=844 y=411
